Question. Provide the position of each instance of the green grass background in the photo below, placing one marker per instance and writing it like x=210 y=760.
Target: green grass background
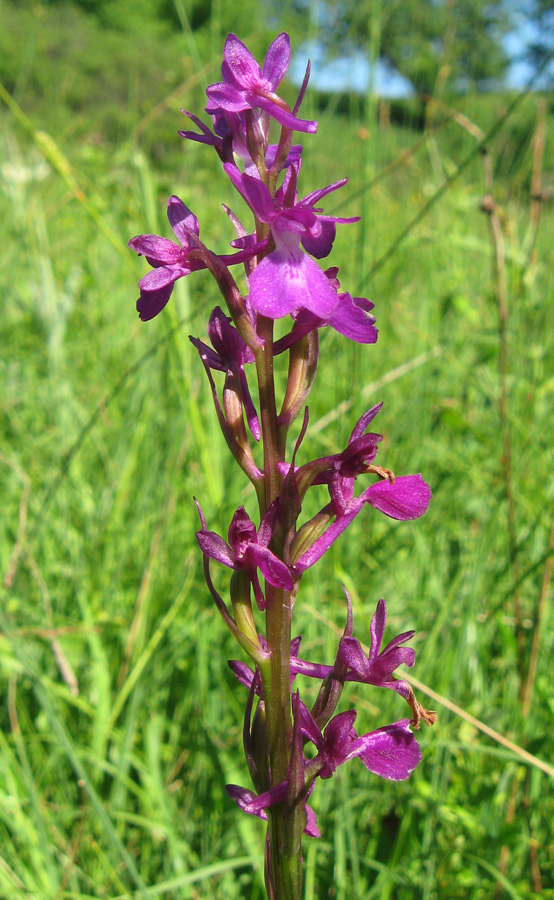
x=120 y=722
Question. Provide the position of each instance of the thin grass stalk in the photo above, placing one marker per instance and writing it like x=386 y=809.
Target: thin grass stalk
x=537 y=196
x=488 y=206
x=537 y=625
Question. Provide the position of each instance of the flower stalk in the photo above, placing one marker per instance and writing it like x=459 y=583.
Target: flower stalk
x=283 y=280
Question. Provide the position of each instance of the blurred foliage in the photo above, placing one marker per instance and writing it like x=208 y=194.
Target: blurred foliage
x=428 y=42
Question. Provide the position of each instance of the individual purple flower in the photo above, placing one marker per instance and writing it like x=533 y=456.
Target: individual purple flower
x=245 y=86
x=248 y=550
x=406 y=497
x=391 y=752
x=378 y=667
x=230 y=354
x=256 y=804
x=287 y=280
x=172 y=261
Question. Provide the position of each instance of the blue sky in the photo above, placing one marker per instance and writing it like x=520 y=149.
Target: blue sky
x=353 y=73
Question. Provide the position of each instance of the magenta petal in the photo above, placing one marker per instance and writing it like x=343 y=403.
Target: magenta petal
x=160 y=278
x=242 y=672
x=339 y=733
x=150 y=303
x=212 y=545
x=295 y=645
x=287 y=281
x=389 y=660
x=311 y=828
x=240 y=65
x=315 y=196
x=272 y=568
x=309 y=727
x=351 y=317
x=277 y=60
x=182 y=220
x=352 y=655
x=377 y=630
x=311 y=670
x=399 y=639
x=282 y=116
x=227 y=97
x=158 y=250
x=364 y=421
x=246 y=800
x=406 y=498
x=254 y=191
x=391 y=752
x=321 y=246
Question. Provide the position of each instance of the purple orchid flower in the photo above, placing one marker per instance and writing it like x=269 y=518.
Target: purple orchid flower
x=230 y=354
x=172 y=261
x=287 y=280
x=248 y=550
x=391 y=752
x=406 y=497
x=245 y=86
x=377 y=668
x=256 y=805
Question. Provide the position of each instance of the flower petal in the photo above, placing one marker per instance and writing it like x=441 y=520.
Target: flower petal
x=158 y=250
x=377 y=630
x=182 y=221
x=254 y=191
x=283 y=116
x=212 y=545
x=272 y=568
x=321 y=246
x=406 y=498
x=340 y=734
x=277 y=60
x=239 y=67
x=242 y=672
x=162 y=277
x=311 y=828
x=287 y=281
x=352 y=655
x=351 y=317
x=391 y=752
x=150 y=303
x=227 y=97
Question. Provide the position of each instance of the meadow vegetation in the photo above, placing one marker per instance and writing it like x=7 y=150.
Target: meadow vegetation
x=120 y=723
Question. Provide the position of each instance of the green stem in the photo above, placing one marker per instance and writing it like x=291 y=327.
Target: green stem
x=268 y=411
x=285 y=873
